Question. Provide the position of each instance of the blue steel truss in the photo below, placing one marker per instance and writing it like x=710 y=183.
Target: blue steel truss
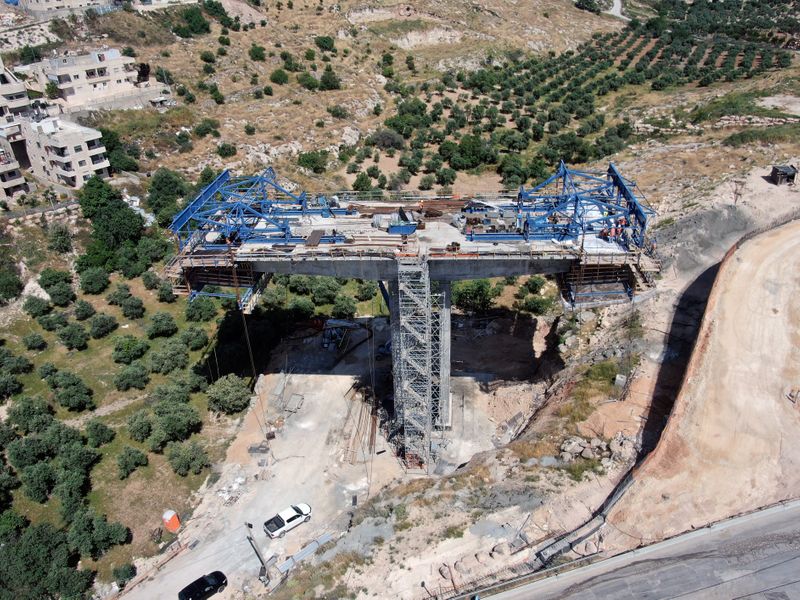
x=572 y=203
x=235 y=210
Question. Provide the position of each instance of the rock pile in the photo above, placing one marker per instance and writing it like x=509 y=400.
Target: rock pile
x=753 y=121
x=620 y=449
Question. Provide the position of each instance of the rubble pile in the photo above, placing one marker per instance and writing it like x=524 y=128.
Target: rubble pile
x=619 y=450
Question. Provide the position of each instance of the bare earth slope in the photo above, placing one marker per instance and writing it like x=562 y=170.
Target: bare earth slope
x=731 y=443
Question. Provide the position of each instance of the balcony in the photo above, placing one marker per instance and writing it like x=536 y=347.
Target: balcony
x=99 y=158
x=94 y=145
x=11 y=180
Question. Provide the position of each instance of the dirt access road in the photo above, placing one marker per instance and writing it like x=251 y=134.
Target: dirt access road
x=731 y=442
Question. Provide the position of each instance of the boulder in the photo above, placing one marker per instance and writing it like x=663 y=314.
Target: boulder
x=587 y=453
x=566 y=457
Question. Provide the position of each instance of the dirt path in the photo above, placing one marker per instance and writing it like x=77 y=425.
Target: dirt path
x=616 y=10
x=103 y=411
x=730 y=445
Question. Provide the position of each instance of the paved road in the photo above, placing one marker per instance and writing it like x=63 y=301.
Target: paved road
x=756 y=557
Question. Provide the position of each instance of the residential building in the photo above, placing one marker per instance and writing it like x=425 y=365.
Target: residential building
x=144 y=5
x=64 y=152
x=86 y=80
x=60 y=8
x=13 y=95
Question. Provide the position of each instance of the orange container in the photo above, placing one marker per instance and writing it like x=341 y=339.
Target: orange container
x=172 y=522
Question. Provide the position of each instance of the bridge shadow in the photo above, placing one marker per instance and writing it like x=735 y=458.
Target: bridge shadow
x=675 y=359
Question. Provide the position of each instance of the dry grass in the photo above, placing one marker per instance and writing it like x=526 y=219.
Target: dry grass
x=524 y=450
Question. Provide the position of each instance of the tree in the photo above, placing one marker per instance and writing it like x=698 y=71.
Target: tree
x=161 y=325
x=226 y=150
x=185 y=458
x=139 y=426
x=61 y=294
x=38 y=481
x=121 y=293
x=30 y=413
x=36 y=307
x=70 y=391
x=473 y=296
x=10 y=284
x=344 y=307
x=94 y=280
x=366 y=291
x=150 y=280
x=97 y=433
x=363 y=183
x=589 y=5
x=101 y=325
x=129 y=460
x=229 y=394
x=124 y=573
x=173 y=422
x=324 y=290
x=59 y=238
x=83 y=310
x=165 y=293
x=299 y=284
x=325 y=43
x=38 y=563
x=73 y=336
x=34 y=341
x=128 y=348
x=135 y=375
x=201 y=309
x=166 y=187
x=194 y=338
x=315 y=161
x=132 y=308
x=257 y=53
x=92 y=535
x=52 y=322
x=301 y=308
x=171 y=356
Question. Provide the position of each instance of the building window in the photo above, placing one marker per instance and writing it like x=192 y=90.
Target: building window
x=87 y=177
x=81 y=163
x=78 y=148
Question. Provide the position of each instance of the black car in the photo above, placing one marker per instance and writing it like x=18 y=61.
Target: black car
x=204 y=587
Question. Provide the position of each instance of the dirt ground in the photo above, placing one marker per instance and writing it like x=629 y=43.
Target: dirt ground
x=733 y=427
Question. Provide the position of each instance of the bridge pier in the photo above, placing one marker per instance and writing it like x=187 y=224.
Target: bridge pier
x=420 y=327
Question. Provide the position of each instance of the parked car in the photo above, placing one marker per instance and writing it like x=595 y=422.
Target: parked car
x=287 y=519
x=204 y=587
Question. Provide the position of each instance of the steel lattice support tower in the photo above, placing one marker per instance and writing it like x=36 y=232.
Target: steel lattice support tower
x=416 y=356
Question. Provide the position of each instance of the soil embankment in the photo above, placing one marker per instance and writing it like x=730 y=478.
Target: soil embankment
x=730 y=445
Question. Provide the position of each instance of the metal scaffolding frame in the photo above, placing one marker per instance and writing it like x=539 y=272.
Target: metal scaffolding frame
x=417 y=361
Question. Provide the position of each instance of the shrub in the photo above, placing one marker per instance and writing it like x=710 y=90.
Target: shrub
x=70 y=391
x=249 y=129
x=307 y=80
x=538 y=305
x=316 y=160
x=473 y=296
x=386 y=139
x=36 y=307
x=61 y=294
x=139 y=426
x=299 y=284
x=101 y=325
x=59 y=238
x=121 y=293
x=9 y=385
x=257 y=53
x=279 y=77
x=187 y=457
x=426 y=182
x=207 y=56
x=128 y=348
x=329 y=80
x=97 y=433
x=194 y=338
x=201 y=309
x=344 y=307
x=228 y=394
x=94 y=280
x=226 y=150
x=73 y=336
x=338 y=112
x=123 y=573
x=324 y=43
x=132 y=308
x=129 y=460
x=150 y=280
x=535 y=284
x=135 y=375
x=38 y=481
x=83 y=310
x=50 y=277
x=161 y=325
x=34 y=341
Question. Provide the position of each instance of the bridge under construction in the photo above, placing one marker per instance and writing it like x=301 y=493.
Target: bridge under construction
x=588 y=229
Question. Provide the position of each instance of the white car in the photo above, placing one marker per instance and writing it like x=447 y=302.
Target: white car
x=287 y=519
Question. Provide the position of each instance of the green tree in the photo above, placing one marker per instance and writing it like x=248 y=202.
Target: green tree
x=171 y=356
x=329 y=79
x=129 y=460
x=97 y=433
x=344 y=307
x=10 y=284
x=229 y=394
x=83 y=310
x=36 y=307
x=38 y=481
x=279 y=77
x=150 y=280
x=473 y=296
x=92 y=535
x=139 y=426
x=201 y=309
x=101 y=325
x=121 y=293
x=132 y=308
x=59 y=238
x=128 y=348
x=363 y=183
x=194 y=338
x=165 y=293
x=324 y=290
x=301 y=308
x=124 y=573
x=161 y=325
x=186 y=458
x=94 y=280
x=166 y=189
x=366 y=291
x=73 y=336
x=70 y=391
x=257 y=53
x=34 y=341
x=134 y=375
x=325 y=43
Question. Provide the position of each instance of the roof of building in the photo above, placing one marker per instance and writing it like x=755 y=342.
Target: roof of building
x=786 y=169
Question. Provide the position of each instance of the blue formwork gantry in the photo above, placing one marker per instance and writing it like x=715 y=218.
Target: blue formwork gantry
x=235 y=210
x=571 y=204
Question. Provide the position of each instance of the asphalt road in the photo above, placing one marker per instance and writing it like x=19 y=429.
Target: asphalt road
x=755 y=557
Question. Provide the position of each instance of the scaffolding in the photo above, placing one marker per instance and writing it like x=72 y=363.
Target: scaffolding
x=417 y=361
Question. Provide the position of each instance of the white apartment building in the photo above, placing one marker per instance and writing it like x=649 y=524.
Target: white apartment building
x=86 y=80
x=64 y=152
x=13 y=102
x=59 y=8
